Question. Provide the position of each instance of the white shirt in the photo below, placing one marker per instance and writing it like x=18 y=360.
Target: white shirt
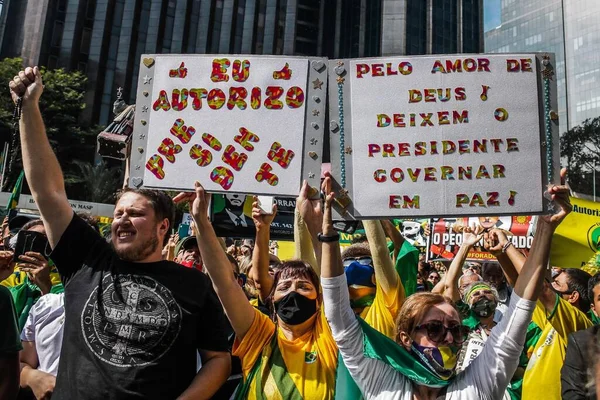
x=486 y=378
x=44 y=326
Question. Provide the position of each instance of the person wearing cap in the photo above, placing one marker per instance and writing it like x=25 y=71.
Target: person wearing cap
x=188 y=254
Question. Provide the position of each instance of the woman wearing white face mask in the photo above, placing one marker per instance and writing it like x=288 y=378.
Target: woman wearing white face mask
x=421 y=364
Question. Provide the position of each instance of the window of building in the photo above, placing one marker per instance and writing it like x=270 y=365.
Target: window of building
x=57 y=33
x=52 y=62
x=86 y=38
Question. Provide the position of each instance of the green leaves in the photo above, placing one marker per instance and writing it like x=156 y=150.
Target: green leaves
x=73 y=142
x=581 y=148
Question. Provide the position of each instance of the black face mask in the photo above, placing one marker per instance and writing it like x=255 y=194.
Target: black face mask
x=484 y=308
x=294 y=309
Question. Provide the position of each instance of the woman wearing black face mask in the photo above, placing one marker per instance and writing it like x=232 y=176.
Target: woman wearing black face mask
x=419 y=366
x=293 y=357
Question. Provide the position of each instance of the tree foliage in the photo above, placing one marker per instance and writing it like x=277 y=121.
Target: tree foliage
x=581 y=148
x=61 y=105
x=97 y=182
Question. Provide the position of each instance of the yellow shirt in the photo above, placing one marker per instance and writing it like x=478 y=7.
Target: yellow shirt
x=382 y=314
x=547 y=356
x=18 y=277
x=304 y=368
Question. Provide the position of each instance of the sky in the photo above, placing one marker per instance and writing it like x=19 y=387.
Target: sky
x=491 y=14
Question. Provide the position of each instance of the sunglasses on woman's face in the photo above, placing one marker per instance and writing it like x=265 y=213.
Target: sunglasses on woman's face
x=436 y=331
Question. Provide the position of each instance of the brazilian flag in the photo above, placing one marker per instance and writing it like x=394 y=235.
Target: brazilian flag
x=16 y=193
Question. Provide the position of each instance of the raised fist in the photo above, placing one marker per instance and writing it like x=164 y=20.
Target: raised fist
x=27 y=85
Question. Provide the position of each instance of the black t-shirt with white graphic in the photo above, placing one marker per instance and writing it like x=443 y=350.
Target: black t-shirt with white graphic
x=131 y=329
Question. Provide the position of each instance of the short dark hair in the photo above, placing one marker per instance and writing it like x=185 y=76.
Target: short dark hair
x=161 y=203
x=296 y=269
x=592 y=283
x=357 y=250
x=578 y=280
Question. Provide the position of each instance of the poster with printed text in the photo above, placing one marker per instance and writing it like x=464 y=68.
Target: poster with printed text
x=236 y=123
x=443 y=135
x=446 y=236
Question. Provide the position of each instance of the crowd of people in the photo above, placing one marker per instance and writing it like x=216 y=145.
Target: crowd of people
x=147 y=315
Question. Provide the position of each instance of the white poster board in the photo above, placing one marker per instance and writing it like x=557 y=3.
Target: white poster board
x=441 y=135
x=241 y=124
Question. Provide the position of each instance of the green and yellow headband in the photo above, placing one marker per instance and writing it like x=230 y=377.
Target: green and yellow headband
x=477 y=286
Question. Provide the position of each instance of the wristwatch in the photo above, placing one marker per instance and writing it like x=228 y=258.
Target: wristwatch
x=325 y=239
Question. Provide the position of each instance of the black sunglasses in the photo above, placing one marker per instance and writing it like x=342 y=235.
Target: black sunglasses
x=436 y=331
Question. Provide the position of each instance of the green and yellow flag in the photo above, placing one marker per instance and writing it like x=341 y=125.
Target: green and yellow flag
x=16 y=193
x=576 y=242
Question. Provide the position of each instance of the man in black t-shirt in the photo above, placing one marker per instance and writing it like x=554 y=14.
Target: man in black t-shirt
x=133 y=323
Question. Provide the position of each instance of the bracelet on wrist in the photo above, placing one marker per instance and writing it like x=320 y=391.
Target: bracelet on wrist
x=329 y=238
x=506 y=246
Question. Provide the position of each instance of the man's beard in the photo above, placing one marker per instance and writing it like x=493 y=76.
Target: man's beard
x=140 y=252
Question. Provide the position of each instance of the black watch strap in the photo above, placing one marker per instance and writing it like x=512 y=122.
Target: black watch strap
x=326 y=239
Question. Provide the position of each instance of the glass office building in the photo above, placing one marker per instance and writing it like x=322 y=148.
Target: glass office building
x=568 y=28
x=105 y=38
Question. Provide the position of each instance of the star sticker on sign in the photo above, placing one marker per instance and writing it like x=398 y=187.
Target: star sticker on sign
x=147 y=79
x=340 y=79
x=315 y=113
x=317 y=84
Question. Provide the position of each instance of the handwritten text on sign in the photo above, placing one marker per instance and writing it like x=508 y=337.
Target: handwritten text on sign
x=445 y=135
x=234 y=123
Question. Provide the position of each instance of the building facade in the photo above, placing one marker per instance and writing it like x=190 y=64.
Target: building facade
x=105 y=38
x=568 y=28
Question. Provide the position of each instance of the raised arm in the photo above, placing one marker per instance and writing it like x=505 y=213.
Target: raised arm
x=42 y=170
x=260 y=257
x=511 y=260
x=500 y=356
x=470 y=236
x=394 y=235
x=385 y=273
x=529 y=283
x=308 y=220
x=239 y=312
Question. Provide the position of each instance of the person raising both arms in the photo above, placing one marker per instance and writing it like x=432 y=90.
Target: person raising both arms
x=133 y=323
x=294 y=357
x=375 y=288
x=420 y=363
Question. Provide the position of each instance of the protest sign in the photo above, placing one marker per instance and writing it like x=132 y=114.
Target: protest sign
x=443 y=135
x=445 y=239
x=238 y=124
x=577 y=239
x=231 y=216
x=414 y=231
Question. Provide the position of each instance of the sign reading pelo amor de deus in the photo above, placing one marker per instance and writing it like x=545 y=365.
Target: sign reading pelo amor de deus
x=443 y=135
